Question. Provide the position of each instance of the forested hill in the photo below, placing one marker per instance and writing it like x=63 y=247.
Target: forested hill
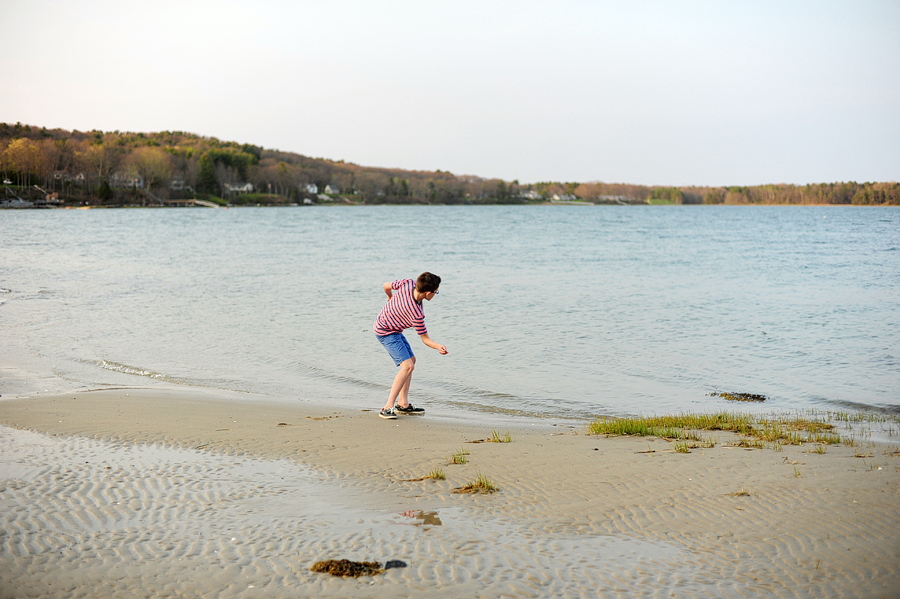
x=118 y=168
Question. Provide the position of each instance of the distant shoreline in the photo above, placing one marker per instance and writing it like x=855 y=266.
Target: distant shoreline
x=114 y=168
x=562 y=204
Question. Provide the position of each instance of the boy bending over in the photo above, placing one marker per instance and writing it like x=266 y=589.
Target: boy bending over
x=402 y=311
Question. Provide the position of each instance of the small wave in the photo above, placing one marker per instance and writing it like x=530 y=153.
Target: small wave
x=867 y=408
x=131 y=369
x=137 y=371
x=324 y=374
x=126 y=369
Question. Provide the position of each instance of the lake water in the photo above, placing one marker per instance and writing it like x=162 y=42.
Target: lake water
x=547 y=311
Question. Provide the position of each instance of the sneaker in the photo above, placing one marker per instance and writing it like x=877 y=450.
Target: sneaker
x=410 y=409
x=388 y=414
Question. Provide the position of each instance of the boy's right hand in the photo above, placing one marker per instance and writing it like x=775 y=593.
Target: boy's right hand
x=442 y=350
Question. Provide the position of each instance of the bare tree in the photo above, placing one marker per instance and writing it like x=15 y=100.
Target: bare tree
x=152 y=164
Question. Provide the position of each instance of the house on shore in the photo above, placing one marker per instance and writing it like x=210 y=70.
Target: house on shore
x=239 y=187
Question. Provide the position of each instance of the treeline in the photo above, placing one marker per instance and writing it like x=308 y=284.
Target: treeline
x=121 y=167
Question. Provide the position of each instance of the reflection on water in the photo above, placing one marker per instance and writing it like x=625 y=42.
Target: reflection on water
x=425 y=518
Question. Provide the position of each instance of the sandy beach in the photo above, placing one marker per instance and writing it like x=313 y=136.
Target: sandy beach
x=183 y=493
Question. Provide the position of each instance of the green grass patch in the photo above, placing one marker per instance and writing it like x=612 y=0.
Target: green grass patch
x=672 y=426
x=496 y=437
x=481 y=484
x=756 y=431
x=459 y=457
x=681 y=447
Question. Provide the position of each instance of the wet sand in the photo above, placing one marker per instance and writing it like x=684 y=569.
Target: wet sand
x=147 y=493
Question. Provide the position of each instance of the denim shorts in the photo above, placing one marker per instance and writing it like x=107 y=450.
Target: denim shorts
x=396 y=345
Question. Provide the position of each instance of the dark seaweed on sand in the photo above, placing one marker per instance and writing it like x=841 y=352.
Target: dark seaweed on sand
x=344 y=567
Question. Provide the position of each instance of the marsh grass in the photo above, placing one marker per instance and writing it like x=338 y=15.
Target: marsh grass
x=749 y=443
x=460 y=457
x=481 y=484
x=758 y=431
x=681 y=426
x=496 y=437
x=793 y=438
x=826 y=438
x=797 y=473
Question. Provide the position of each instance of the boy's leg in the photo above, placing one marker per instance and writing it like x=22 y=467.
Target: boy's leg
x=401 y=381
x=403 y=396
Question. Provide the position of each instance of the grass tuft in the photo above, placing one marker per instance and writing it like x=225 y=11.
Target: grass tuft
x=437 y=474
x=481 y=484
x=460 y=457
x=496 y=437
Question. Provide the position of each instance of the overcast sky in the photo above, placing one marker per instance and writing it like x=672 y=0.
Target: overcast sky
x=657 y=93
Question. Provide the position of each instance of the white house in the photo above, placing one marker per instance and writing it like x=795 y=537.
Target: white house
x=312 y=188
x=332 y=190
x=239 y=187
x=531 y=195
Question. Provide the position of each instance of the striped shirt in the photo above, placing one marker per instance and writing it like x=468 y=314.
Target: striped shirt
x=401 y=312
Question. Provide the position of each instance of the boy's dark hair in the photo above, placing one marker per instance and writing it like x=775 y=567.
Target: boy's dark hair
x=427 y=282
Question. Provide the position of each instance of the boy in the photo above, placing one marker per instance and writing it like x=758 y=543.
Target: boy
x=402 y=311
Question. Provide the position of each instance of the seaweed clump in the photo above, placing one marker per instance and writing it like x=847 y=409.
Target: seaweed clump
x=347 y=568
x=741 y=396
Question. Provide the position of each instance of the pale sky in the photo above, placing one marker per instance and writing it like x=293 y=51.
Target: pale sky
x=655 y=93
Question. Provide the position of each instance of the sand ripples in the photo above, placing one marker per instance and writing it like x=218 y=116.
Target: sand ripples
x=94 y=519
x=103 y=518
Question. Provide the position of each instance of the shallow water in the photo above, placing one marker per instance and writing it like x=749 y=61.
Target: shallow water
x=547 y=311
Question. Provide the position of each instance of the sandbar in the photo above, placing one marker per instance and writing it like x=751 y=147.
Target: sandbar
x=172 y=492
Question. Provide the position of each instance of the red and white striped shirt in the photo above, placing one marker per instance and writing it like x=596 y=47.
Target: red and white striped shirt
x=401 y=312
